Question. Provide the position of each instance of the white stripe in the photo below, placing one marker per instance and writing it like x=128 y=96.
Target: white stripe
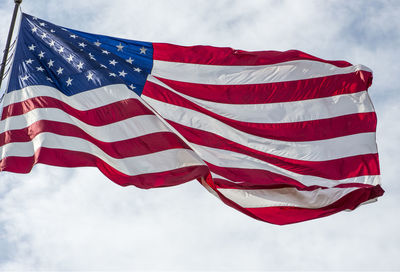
x=126 y=129
x=322 y=150
x=286 y=197
x=217 y=176
x=286 y=112
x=80 y=101
x=225 y=158
x=150 y=163
x=258 y=74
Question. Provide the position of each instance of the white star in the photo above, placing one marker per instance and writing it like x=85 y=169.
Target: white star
x=120 y=46
x=102 y=65
x=73 y=36
x=92 y=56
x=64 y=29
x=49 y=79
x=44 y=35
x=132 y=87
x=59 y=71
x=42 y=24
x=113 y=62
x=90 y=76
x=137 y=69
x=52 y=30
x=34 y=18
x=122 y=73
x=29 y=61
x=82 y=44
x=130 y=60
x=105 y=52
x=80 y=65
x=39 y=68
x=143 y=50
x=24 y=78
x=97 y=43
x=41 y=54
x=69 y=81
x=32 y=47
x=112 y=74
x=34 y=29
x=61 y=50
x=52 y=43
x=70 y=58
x=50 y=63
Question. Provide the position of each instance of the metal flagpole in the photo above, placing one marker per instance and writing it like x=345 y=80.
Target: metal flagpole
x=10 y=32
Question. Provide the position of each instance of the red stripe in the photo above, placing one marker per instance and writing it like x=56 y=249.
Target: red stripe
x=275 y=92
x=348 y=167
x=242 y=178
x=142 y=145
x=68 y=158
x=228 y=56
x=298 y=131
x=289 y=215
x=96 y=117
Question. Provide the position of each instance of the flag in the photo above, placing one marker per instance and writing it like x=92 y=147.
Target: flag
x=280 y=136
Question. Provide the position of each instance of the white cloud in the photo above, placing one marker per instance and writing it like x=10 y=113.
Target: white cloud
x=55 y=218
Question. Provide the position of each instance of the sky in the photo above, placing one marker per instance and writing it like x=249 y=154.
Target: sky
x=76 y=219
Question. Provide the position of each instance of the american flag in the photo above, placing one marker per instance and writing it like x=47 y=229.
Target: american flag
x=280 y=136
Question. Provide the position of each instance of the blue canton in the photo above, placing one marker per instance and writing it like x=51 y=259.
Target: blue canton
x=73 y=61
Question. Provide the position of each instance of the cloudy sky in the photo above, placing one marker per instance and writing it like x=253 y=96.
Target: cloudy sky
x=76 y=219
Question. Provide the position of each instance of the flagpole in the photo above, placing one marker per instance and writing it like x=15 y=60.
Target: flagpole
x=10 y=33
